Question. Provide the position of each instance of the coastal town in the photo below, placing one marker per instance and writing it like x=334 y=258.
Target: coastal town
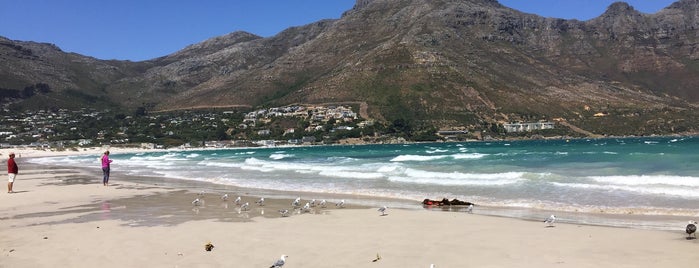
x=88 y=127
x=287 y=125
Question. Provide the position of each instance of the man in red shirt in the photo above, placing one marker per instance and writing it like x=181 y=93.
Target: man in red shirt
x=12 y=171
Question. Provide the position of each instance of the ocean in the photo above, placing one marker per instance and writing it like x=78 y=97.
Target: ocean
x=637 y=182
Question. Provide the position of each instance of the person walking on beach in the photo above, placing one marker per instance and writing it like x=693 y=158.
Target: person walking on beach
x=12 y=171
x=105 y=168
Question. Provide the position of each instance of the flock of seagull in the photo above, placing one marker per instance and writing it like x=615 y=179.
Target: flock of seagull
x=307 y=207
x=296 y=204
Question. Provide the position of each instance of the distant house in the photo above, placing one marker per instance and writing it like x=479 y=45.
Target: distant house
x=84 y=142
x=146 y=145
x=289 y=131
x=343 y=128
x=526 y=127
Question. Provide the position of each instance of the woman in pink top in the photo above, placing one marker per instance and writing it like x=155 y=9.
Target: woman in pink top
x=105 y=168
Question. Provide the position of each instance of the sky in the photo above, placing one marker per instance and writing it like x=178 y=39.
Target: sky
x=139 y=30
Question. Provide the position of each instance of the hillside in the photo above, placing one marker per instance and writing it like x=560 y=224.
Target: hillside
x=445 y=63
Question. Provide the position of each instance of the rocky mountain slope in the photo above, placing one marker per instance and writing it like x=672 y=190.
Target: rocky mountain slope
x=439 y=62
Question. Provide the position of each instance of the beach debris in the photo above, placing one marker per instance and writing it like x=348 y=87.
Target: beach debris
x=196 y=202
x=46 y=237
x=224 y=197
x=469 y=209
x=245 y=206
x=284 y=212
x=432 y=266
x=280 y=262
x=323 y=203
x=340 y=204
x=238 y=200
x=550 y=220
x=383 y=210
x=378 y=258
x=261 y=202
x=445 y=202
x=296 y=203
x=691 y=229
x=209 y=246
x=180 y=254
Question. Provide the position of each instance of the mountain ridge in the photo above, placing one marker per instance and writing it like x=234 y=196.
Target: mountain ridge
x=445 y=63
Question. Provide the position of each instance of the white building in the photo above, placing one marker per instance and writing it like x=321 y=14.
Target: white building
x=525 y=127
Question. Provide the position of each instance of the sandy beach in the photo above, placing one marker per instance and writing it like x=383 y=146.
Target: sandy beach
x=62 y=217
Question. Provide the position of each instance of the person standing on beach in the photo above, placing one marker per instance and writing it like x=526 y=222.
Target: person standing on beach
x=105 y=168
x=12 y=171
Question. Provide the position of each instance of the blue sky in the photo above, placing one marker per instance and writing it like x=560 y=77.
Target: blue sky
x=145 y=29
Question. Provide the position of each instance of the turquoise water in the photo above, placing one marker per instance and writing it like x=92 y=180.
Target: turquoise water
x=639 y=176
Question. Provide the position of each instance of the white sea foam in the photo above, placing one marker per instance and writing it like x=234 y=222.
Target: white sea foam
x=159 y=158
x=457 y=178
x=356 y=172
x=391 y=168
x=658 y=190
x=469 y=156
x=220 y=164
x=434 y=151
x=280 y=156
x=403 y=158
x=351 y=174
x=418 y=158
x=648 y=180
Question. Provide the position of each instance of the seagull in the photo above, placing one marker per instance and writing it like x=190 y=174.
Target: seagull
x=196 y=202
x=261 y=202
x=284 y=212
x=306 y=207
x=323 y=203
x=245 y=206
x=313 y=203
x=377 y=258
x=550 y=220
x=297 y=202
x=340 y=204
x=224 y=197
x=691 y=229
x=280 y=262
x=383 y=210
x=470 y=208
x=201 y=194
x=237 y=201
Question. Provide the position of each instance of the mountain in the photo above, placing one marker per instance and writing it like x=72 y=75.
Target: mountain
x=437 y=62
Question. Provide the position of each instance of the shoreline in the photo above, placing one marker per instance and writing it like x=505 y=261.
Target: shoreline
x=42 y=152
x=65 y=217
x=612 y=219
